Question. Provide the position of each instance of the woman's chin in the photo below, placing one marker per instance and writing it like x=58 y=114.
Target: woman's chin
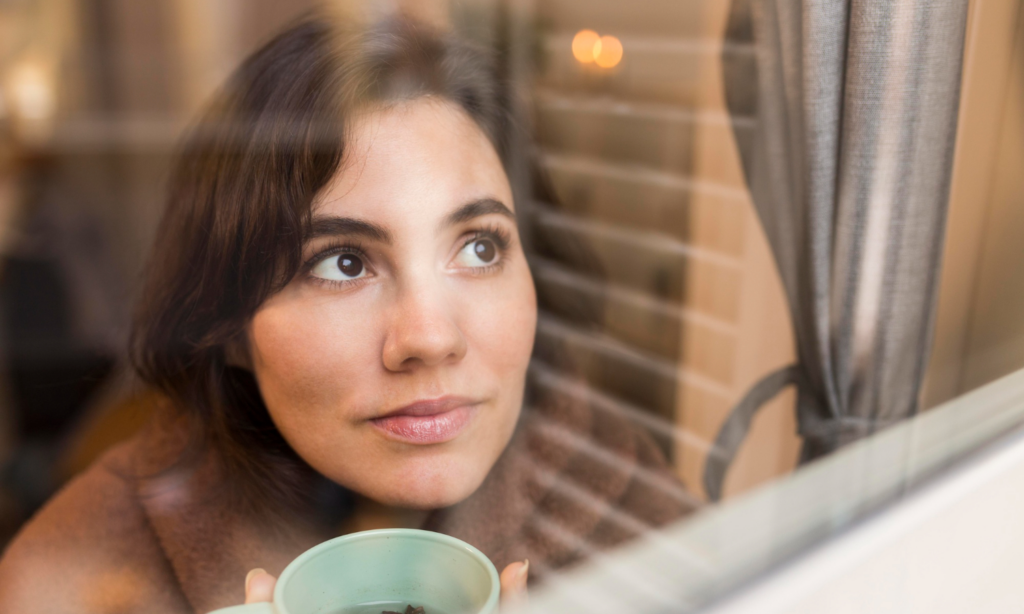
x=426 y=490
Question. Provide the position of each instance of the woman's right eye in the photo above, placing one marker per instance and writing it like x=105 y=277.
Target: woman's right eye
x=340 y=267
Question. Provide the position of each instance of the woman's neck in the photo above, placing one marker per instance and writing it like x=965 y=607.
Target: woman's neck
x=369 y=514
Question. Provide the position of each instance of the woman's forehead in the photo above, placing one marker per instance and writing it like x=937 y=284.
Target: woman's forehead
x=425 y=155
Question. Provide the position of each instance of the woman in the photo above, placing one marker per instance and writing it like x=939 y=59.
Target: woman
x=340 y=315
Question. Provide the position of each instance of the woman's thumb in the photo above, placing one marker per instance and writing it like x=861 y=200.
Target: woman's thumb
x=259 y=586
x=513 y=582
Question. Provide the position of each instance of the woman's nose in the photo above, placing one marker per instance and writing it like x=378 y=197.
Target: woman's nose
x=422 y=332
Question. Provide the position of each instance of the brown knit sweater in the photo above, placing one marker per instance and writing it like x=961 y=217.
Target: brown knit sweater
x=572 y=481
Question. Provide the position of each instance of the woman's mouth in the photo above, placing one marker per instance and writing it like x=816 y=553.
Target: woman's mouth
x=427 y=422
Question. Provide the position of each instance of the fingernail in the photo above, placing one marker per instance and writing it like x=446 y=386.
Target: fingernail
x=522 y=574
x=252 y=572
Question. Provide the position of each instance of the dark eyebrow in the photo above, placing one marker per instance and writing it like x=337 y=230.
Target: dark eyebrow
x=477 y=208
x=334 y=226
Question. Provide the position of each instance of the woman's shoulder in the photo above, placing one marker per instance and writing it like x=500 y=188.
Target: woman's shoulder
x=91 y=548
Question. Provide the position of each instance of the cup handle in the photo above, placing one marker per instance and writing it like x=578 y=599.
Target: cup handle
x=249 y=608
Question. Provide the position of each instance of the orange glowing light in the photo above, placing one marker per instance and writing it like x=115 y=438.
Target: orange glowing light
x=607 y=51
x=584 y=46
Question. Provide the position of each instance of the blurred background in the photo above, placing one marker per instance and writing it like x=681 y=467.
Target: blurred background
x=626 y=106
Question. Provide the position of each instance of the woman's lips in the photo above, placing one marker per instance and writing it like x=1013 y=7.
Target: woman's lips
x=427 y=422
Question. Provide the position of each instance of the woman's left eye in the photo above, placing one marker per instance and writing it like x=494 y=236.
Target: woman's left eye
x=478 y=253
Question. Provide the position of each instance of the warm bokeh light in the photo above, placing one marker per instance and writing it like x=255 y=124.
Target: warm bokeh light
x=607 y=51
x=31 y=92
x=588 y=46
x=583 y=45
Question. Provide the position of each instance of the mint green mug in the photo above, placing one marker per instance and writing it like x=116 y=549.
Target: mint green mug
x=384 y=570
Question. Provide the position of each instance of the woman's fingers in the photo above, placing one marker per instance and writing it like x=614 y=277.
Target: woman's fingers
x=259 y=586
x=513 y=583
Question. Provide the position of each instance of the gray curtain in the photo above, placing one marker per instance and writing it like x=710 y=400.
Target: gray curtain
x=849 y=166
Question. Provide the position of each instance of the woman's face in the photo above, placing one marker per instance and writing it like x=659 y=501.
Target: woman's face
x=394 y=363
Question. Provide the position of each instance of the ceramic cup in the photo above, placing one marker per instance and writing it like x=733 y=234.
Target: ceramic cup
x=387 y=569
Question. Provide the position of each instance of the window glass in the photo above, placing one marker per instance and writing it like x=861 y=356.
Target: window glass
x=603 y=286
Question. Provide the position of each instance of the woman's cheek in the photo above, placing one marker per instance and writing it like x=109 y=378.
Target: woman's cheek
x=503 y=323
x=310 y=357
x=521 y=318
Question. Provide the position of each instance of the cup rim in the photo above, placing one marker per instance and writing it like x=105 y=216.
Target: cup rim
x=492 y=599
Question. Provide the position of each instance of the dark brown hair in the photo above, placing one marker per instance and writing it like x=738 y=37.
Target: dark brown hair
x=239 y=210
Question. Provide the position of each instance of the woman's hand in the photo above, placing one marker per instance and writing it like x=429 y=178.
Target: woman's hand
x=259 y=585
x=513 y=583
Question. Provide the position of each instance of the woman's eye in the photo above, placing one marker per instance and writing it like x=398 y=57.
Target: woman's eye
x=479 y=253
x=341 y=267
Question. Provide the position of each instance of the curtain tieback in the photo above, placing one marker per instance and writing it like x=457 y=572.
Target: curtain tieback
x=737 y=423
x=820 y=433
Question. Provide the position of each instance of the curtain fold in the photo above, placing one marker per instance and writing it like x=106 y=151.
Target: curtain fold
x=849 y=168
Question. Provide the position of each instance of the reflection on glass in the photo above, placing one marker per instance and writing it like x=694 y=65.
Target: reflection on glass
x=485 y=276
